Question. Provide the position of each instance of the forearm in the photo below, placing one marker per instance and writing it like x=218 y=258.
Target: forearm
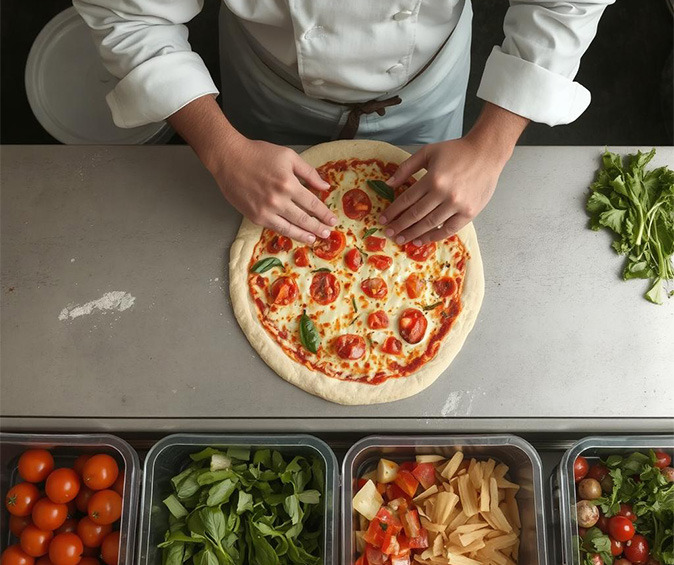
x=496 y=132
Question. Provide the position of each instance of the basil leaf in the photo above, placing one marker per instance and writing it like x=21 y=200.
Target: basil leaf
x=321 y=270
x=309 y=336
x=432 y=306
x=174 y=506
x=220 y=492
x=263 y=265
x=369 y=232
x=382 y=189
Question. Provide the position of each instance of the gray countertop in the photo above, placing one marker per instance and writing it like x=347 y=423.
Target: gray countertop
x=561 y=343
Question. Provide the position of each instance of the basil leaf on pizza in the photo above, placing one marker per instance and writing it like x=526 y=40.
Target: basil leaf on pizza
x=263 y=265
x=382 y=189
x=309 y=334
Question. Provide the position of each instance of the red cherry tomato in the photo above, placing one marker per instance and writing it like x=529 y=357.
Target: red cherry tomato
x=66 y=549
x=89 y=561
x=72 y=508
x=21 y=498
x=356 y=204
x=68 y=527
x=580 y=468
x=353 y=259
x=381 y=262
x=82 y=499
x=118 y=487
x=374 y=287
x=620 y=528
x=616 y=547
x=420 y=253
x=44 y=560
x=110 y=549
x=377 y=320
x=14 y=555
x=349 y=346
x=331 y=246
x=414 y=285
x=18 y=523
x=78 y=466
x=279 y=243
x=412 y=325
x=392 y=346
x=602 y=524
x=62 y=485
x=35 y=465
x=637 y=550
x=100 y=472
x=92 y=534
x=324 y=288
x=662 y=459
x=445 y=286
x=34 y=541
x=302 y=257
x=48 y=515
x=105 y=507
x=626 y=510
x=373 y=243
x=283 y=291
x=597 y=472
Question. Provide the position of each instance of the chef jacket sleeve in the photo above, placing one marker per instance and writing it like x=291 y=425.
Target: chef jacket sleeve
x=532 y=73
x=144 y=44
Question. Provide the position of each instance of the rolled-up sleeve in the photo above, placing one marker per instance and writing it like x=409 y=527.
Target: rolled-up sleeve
x=532 y=73
x=144 y=44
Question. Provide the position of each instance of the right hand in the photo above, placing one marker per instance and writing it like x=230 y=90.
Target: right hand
x=262 y=181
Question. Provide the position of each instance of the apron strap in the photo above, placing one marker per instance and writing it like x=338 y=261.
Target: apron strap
x=357 y=110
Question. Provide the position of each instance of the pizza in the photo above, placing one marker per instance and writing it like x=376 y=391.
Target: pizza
x=356 y=318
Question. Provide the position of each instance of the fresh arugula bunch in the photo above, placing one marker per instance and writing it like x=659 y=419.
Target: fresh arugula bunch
x=228 y=510
x=638 y=205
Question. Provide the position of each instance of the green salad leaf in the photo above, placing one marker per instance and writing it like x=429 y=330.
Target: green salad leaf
x=638 y=206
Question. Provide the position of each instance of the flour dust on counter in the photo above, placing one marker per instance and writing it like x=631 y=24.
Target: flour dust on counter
x=117 y=300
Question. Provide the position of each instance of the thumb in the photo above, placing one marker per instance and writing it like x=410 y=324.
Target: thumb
x=407 y=168
x=308 y=174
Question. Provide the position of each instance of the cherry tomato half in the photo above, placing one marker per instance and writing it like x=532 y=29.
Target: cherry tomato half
x=356 y=204
x=420 y=253
x=331 y=246
x=62 y=485
x=301 y=257
x=580 y=468
x=445 y=286
x=377 y=320
x=66 y=549
x=324 y=288
x=100 y=472
x=92 y=534
x=35 y=465
x=353 y=259
x=105 y=507
x=662 y=459
x=110 y=549
x=373 y=243
x=283 y=291
x=21 y=498
x=637 y=550
x=381 y=262
x=279 y=243
x=620 y=528
x=414 y=285
x=14 y=555
x=392 y=346
x=412 y=325
x=374 y=287
x=349 y=346
x=48 y=515
x=34 y=541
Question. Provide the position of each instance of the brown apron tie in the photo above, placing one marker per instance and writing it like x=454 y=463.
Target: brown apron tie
x=357 y=110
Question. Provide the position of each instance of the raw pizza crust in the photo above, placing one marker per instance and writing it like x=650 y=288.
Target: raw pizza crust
x=317 y=383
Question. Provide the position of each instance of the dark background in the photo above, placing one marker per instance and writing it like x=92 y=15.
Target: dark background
x=628 y=69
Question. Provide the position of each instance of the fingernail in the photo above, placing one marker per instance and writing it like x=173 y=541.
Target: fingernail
x=389 y=232
x=333 y=221
x=417 y=242
x=400 y=239
x=311 y=238
x=326 y=185
x=382 y=219
x=325 y=233
x=390 y=180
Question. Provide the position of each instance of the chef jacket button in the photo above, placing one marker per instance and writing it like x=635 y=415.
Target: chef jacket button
x=396 y=68
x=317 y=82
x=402 y=15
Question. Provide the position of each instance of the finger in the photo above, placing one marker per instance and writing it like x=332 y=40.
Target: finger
x=315 y=208
x=308 y=174
x=427 y=224
x=413 y=215
x=403 y=202
x=450 y=227
x=283 y=227
x=300 y=218
x=407 y=168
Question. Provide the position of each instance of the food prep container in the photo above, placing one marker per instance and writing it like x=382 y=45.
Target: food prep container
x=519 y=455
x=66 y=448
x=593 y=448
x=170 y=456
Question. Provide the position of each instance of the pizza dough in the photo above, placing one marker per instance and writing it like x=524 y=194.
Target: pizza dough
x=316 y=382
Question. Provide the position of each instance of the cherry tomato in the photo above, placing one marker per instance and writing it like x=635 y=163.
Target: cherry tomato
x=324 y=288
x=21 y=498
x=392 y=346
x=331 y=246
x=597 y=472
x=89 y=561
x=82 y=499
x=373 y=243
x=414 y=285
x=302 y=257
x=110 y=549
x=66 y=549
x=356 y=204
x=279 y=243
x=68 y=527
x=637 y=550
x=626 y=510
x=18 y=523
x=445 y=286
x=118 y=487
x=616 y=547
x=100 y=472
x=662 y=459
x=377 y=320
x=412 y=325
x=62 y=485
x=78 y=465
x=35 y=465
x=48 y=515
x=34 y=541
x=92 y=534
x=91 y=552
x=580 y=468
x=283 y=291
x=349 y=346
x=105 y=507
x=353 y=259
x=44 y=560
x=72 y=508
x=374 y=287
x=381 y=262
x=602 y=524
x=14 y=555
x=620 y=528
x=420 y=253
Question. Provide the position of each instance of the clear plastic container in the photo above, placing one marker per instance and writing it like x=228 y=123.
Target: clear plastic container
x=519 y=455
x=593 y=448
x=66 y=448
x=171 y=455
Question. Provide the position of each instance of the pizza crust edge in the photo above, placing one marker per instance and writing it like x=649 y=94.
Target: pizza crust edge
x=319 y=384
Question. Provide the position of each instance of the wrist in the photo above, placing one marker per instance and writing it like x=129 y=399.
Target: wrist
x=496 y=132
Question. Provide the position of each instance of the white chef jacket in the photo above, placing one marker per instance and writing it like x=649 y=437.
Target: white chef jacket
x=347 y=51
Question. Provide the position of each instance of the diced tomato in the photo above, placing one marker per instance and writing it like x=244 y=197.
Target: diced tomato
x=402 y=559
x=398 y=505
x=362 y=560
x=390 y=544
x=279 y=243
x=406 y=481
x=393 y=523
x=377 y=320
x=425 y=474
x=375 y=534
x=393 y=491
x=381 y=488
x=356 y=204
x=331 y=246
x=420 y=542
x=407 y=466
x=373 y=243
x=392 y=346
x=404 y=542
x=414 y=285
x=375 y=556
x=411 y=523
x=353 y=259
x=381 y=262
x=302 y=257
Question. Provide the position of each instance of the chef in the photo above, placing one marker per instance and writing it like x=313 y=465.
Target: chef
x=307 y=71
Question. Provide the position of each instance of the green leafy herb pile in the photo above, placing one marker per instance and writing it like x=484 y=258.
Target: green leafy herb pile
x=638 y=482
x=638 y=205
x=228 y=510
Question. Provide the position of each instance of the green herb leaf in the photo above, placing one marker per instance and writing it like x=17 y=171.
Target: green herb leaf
x=432 y=306
x=353 y=302
x=382 y=189
x=321 y=270
x=309 y=336
x=369 y=232
x=174 y=506
x=263 y=265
